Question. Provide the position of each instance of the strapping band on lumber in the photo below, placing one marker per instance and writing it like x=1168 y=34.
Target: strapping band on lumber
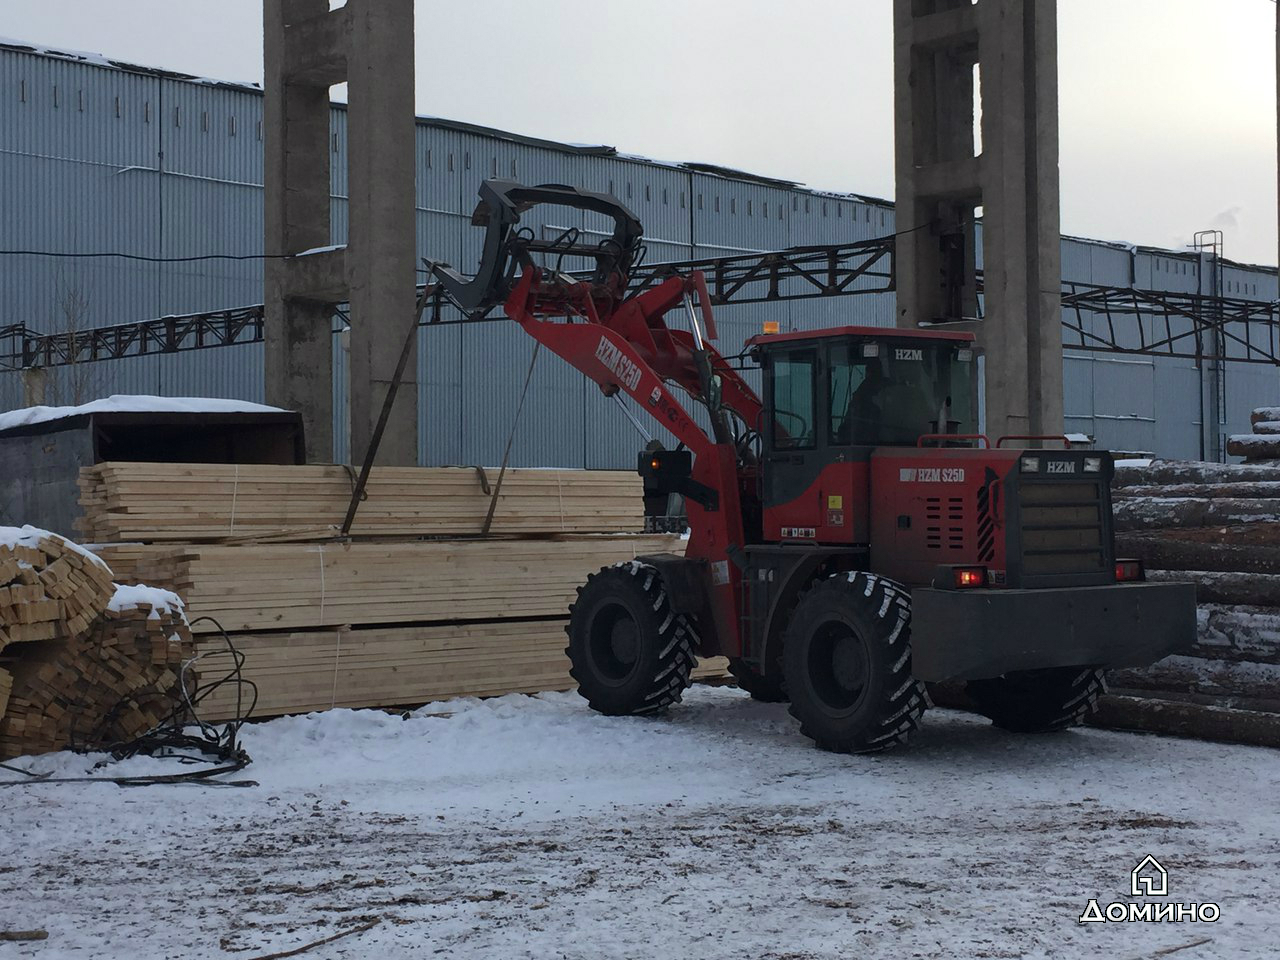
x=151 y=503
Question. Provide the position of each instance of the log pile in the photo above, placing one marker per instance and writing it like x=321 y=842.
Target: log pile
x=200 y=503
x=1217 y=525
x=82 y=662
x=413 y=607
x=1263 y=445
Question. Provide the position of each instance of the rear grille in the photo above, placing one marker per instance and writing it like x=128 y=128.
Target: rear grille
x=1061 y=528
x=944 y=523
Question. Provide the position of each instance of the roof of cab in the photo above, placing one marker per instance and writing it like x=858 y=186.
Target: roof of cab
x=879 y=333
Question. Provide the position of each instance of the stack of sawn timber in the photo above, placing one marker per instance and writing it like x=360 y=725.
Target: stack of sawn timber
x=1263 y=445
x=414 y=607
x=83 y=662
x=197 y=503
x=1217 y=525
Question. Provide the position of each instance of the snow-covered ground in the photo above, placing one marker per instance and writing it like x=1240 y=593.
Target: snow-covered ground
x=529 y=827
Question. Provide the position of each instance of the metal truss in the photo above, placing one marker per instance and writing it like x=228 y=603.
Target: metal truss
x=801 y=273
x=197 y=331
x=1156 y=323
x=1095 y=318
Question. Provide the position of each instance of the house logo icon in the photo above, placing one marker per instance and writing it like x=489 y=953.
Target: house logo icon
x=1149 y=879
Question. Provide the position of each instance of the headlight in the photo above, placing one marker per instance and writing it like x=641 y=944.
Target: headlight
x=1092 y=464
x=1030 y=464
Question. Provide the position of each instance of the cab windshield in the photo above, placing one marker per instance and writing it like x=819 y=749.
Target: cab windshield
x=886 y=394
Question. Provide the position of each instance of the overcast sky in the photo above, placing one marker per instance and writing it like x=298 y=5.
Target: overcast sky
x=1168 y=106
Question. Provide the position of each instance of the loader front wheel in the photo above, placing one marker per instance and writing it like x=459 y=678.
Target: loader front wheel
x=846 y=659
x=630 y=652
x=1038 y=701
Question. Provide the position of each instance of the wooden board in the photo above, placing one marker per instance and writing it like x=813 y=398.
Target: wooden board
x=190 y=503
x=301 y=586
x=300 y=672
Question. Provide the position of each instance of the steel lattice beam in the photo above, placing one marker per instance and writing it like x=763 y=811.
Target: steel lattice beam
x=1097 y=319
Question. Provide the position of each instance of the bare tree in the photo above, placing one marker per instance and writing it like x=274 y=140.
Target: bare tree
x=75 y=382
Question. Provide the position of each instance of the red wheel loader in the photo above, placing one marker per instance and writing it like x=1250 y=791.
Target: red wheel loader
x=850 y=535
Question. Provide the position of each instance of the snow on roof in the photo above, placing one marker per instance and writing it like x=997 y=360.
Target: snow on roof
x=29 y=536
x=26 y=416
x=101 y=60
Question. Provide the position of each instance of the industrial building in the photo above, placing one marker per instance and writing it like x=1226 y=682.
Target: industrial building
x=99 y=156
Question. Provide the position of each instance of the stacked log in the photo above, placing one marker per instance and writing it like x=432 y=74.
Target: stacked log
x=82 y=662
x=1263 y=445
x=414 y=606
x=1217 y=525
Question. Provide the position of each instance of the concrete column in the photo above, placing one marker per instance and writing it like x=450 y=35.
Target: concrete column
x=299 y=346
x=35 y=386
x=1022 y=234
x=935 y=48
x=940 y=183
x=381 y=255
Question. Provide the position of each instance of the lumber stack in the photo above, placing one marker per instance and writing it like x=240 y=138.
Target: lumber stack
x=414 y=606
x=1217 y=525
x=298 y=586
x=82 y=661
x=102 y=687
x=300 y=671
x=51 y=587
x=197 y=503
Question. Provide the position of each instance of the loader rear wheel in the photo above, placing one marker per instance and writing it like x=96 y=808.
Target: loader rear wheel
x=1039 y=701
x=630 y=652
x=765 y=689
x=847 y=662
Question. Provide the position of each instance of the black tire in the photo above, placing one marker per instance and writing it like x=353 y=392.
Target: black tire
x=765 y=689
x=846 y=658
x=629 y=651
x=1039 y=701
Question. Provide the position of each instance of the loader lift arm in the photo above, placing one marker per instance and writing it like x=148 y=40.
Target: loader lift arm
x=624 y=344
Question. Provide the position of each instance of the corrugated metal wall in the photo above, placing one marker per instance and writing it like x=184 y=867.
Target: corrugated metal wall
x=96 y=159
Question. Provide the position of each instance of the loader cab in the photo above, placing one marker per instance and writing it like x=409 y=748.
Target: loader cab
x=831 y=398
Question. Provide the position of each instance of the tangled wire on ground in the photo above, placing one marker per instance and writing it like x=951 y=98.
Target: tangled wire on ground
x=182 y=735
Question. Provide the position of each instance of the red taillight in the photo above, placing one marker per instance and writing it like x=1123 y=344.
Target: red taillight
x=1129 y=570
x=970 y=577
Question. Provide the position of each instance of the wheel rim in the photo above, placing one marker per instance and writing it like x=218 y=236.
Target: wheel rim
x=613 y=642
x=839 y=666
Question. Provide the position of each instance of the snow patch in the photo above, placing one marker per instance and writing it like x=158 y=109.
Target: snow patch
x=129 y=597
x=122 y=403
x=29 y=536
x=315 y=250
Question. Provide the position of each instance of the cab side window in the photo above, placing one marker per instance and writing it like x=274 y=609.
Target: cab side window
x=794 y=378
x=847 y=396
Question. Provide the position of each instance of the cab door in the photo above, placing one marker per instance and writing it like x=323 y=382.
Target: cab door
x=791 y=463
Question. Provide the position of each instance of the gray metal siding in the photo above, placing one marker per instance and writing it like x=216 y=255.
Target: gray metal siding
x=96 y=158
